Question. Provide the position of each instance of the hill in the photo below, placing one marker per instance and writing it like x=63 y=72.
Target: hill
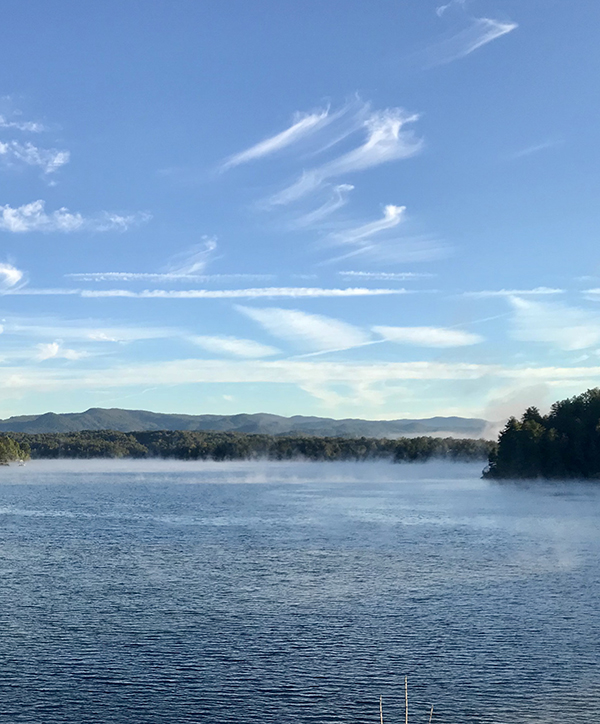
x=97 y=418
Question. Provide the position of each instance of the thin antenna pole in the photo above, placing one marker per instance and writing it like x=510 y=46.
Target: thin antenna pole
x=381 y=708
x=406 y=699
x=431 y=714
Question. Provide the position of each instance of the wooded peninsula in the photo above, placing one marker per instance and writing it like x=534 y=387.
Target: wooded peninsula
x=205 y=445
x=565 y=443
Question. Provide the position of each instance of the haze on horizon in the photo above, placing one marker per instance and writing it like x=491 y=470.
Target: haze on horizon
x=384 y=212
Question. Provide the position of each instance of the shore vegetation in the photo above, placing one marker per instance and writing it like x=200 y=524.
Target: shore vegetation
x=565 y=443
x=11 y=450
x=186 y=445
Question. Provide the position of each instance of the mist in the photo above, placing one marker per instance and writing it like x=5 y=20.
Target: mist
x=244 y=471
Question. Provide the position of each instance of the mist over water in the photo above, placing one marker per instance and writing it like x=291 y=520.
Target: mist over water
x=155 y=591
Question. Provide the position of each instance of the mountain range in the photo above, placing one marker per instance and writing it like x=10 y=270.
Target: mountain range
x=97 y=418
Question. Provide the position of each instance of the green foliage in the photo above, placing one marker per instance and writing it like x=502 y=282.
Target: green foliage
x=11 y=450
x=565 y=443
x=188 y=445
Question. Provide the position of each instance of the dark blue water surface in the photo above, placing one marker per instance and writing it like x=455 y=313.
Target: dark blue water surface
x=138 y=593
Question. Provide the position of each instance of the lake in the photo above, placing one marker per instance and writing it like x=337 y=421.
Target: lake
x=143 y=592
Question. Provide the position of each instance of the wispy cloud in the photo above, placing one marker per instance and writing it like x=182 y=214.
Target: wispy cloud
x=54 y=350
x=84 y=330
x=429 y=336
x=10 y=277
x=373 y=137
x=395 y=250
x=385 y=276
x=360 y=379
x=379 y=241
x=165 y=277
x=234 y=346
x=48 y=159
x=479 y=32
x=441 y=9
x=535 y=148
x=195 y=259
x=537 y=291
x=568 y=328
x=592 y=294
x=387 y=139
x=29 y=126
x=308 y=331
x=186 y=266
x=33 y=217
x=361 y=237
x=256 y=293
x=303 y=125
x=392 y=216
x=337 y=199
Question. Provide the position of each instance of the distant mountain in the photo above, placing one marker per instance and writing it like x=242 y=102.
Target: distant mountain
x=97 y=418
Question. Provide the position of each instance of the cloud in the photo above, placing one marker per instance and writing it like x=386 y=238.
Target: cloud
x=568 y=328
x=308 y=331
x=187 y=266
x=393 y=250
x=439 y=11
x=308 y=375
x=429 y=336
x=535 y=148
x=542 y=291
x=392 y=216
x=479 y=32
x=195 y=259
x=83 y=330
x=10 y=277
x=48 y=159
x=30 y=126
x=375 y=241
x=338 y=199
x=512 y=401
x=33 y=217
x=592 y=294
x=304 y=124
x=386 y=276
x=256 y=293
x=234 y=346
x=54 y=350
x=164 y=277
x=386 y=140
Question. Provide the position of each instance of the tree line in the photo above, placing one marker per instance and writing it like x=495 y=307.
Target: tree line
x=565 y=443
x=203 y=445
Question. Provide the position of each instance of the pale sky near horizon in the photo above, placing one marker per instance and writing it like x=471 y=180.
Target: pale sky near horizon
x=321 y=207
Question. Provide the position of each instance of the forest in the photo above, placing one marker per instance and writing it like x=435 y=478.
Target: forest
x=565 y=443
x=187 y=445
x=11 y=450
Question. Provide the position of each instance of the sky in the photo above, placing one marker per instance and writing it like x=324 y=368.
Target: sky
x=339 y=208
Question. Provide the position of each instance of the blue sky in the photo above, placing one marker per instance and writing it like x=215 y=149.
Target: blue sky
x=347 y=209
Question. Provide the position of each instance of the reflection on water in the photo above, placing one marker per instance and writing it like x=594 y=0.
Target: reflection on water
x=178 y=592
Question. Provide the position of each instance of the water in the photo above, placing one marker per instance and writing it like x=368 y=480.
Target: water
x=279 y=593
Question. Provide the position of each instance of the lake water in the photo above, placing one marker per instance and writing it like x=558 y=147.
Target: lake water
x=278 y=593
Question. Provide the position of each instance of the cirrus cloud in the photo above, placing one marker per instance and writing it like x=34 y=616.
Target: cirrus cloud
x=429 y=336
x=10 y=277
x=387 y=139
x=234 y=346
x=304 y=124
x=314 y=332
